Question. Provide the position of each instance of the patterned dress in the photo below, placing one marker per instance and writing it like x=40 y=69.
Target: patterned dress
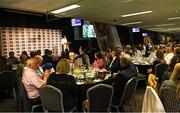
x=168 y=96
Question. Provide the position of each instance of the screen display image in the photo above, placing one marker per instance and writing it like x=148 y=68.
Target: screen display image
x=144 y=34
x=88 y=31
x=76 y=22
x=135 y=30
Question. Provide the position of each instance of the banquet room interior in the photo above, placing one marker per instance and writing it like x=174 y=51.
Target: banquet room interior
x=129 y=46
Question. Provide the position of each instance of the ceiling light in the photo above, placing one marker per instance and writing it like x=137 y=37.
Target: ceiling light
x=154 y=28
x=131 y=23
x=173 y=18
x=147 y=26
x=128 y=1
x=139 y=13
x=65 y=9
x=163 y=25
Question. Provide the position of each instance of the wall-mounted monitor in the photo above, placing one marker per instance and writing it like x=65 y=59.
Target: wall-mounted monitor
x=88 y=30
x=135 y=30
x=76 y=22
x=144 y=34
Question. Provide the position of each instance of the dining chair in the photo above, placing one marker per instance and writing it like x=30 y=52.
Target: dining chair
x=25 y=104
x=51 y=98
x=128 y=93
x=7 y=82
x=159 y=71
x=100 y=97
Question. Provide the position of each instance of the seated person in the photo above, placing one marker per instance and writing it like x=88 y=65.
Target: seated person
x=2 y=62
x=32 y=82
x=114 y=66
x=72 y=57
x=176 y=59
x=85 y=58
x=159 y=59
x=11 y=60
x=99 y=62
x=45 y=66
x=169 y=90
x=151 y=58
x=66 y=83
x=169 y=53
x=120 y=79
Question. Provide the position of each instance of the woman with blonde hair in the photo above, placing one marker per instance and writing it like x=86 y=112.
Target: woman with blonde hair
x=65 y=82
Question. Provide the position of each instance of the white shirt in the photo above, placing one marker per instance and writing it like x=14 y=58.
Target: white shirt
x=168 y=57
x=112 y=61
x=152 y=57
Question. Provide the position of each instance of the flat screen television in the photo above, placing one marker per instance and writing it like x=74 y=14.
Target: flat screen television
x=76 y=22
x=135 y=30
x=144 y=34
x=88 y=30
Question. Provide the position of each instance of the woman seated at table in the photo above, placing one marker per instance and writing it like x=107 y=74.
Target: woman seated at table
x=159 y=59
x=169 y=90
x=99 y=62
x=66 y=83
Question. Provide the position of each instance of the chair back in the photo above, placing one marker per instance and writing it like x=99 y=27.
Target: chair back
x=51 y=98
x=23 y=103
x=6 y=80
x=159 y=70
x=129 y=90
x=100 y=97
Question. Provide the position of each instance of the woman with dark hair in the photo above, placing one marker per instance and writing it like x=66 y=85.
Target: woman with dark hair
x=159 y=59
x=99 y=62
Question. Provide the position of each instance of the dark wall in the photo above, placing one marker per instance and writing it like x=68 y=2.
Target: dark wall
x=123 y=34
x=128 y=37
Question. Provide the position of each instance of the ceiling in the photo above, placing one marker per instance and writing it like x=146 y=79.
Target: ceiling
x=110 y=11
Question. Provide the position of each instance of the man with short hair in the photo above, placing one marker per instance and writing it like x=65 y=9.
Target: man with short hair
x=120 y=79
x=32 y=82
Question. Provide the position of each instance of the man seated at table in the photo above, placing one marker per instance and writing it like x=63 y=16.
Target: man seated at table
x=120 y=79
x=32 y=82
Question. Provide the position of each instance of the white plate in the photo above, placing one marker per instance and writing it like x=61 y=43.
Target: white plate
x=79 y=83
x=97 y=80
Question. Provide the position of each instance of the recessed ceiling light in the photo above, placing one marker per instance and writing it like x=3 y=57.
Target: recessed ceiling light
x=127 y=0
x=133 y=14
x=173 y=18
x=163 y=25
x=131 y=23
x=65 y=9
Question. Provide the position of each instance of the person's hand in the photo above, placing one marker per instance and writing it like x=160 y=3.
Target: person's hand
x=114 y=75
x=152 y=81
x=85 y=104
x=47 y=72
